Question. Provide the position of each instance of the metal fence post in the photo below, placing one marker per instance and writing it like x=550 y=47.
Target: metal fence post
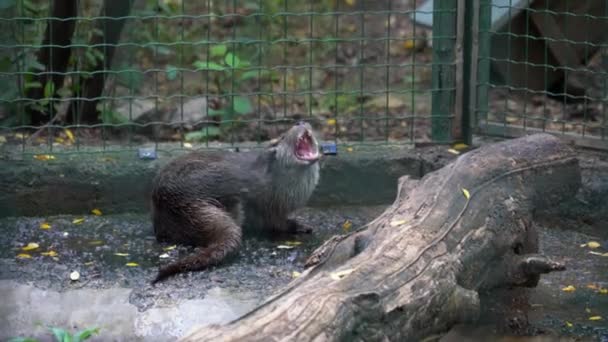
x=443 y=71
x=481 y=83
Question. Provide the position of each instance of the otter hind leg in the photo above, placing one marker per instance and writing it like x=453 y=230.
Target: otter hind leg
x=215 y=231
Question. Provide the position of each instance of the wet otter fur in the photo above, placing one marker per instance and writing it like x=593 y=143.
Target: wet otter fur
x=205 y=198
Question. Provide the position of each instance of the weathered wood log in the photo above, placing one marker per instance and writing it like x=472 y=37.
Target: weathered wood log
x=418 y=268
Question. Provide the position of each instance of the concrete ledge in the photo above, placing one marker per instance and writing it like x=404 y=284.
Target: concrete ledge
x=119 y=182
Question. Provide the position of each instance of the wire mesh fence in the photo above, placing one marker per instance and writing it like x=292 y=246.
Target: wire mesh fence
x=113 y=75
x=92 y=75
x=545 y=69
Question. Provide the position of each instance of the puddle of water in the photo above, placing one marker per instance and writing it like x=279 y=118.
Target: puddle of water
x=28 y=311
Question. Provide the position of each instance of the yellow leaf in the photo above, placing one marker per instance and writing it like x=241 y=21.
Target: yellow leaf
x=49 y=253
x=397 y=223
x=597 y=253
x=347 y=225
x=569 y=288
x=295 y=274
x=44 y=157
x=466 y=193
x=460 y=146
x=20 y=136
x=569 y=325
x=96 y=212
x=587 y=310
x=284 y=247
x=78 y=220
x=95 y=242
x=30 y=246
x=24 y=256
x=2 y=139
x=59 y=140
x=132 y=264
x=293 y=243
x=331 y=122
x=593 y=244
x=409 y=44
x=341 y=274
x=603 y=291
x=592 y=286
x=69 y=134
x=187 y=145
x=169 y=248
x=122 y=254
x=453 y=151
x=595 y=318
x=349 y=149
x=45 y=225
x=89 y=263
x=350 y=2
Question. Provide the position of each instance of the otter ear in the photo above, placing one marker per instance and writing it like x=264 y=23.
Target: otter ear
x=275 y=142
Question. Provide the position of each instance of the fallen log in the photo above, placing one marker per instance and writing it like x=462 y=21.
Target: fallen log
x=418 y=269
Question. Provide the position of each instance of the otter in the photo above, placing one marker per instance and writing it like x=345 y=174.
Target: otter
x=205 y=199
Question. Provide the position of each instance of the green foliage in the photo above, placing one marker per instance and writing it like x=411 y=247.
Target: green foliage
x=62 y=335
x=204 y=134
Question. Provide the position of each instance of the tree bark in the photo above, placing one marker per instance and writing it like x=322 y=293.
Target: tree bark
x=55 y=54
x=418 y=269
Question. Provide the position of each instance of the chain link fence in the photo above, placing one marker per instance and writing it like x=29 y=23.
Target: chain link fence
x=92 y=75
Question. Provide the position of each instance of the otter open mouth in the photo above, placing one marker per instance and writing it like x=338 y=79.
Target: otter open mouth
x=305 y=148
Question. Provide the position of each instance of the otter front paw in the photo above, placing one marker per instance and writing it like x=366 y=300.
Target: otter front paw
x=296 y=227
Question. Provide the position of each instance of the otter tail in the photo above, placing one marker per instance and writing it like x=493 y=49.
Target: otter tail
x=218 y=232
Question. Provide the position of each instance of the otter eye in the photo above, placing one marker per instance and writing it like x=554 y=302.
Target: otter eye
x=300 y=123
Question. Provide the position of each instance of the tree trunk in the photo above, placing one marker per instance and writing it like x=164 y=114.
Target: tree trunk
x=54 y=55
x=84 y=109
x=418 y=269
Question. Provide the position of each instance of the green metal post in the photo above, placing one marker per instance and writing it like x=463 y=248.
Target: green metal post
x=443 y=71
x=483 y=63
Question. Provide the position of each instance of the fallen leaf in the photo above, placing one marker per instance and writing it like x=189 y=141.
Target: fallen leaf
x=569 y=288
x=95 y=242
x=583 y=245
x=595 y=318
x=284 y=247
x=587 y=310
x=59 y=140
x=592 y=286
x=44 y=157
x=295 y=274
x=597 y=253
x=409 y=44
x=350 y=2
x=466 y=193
x=69 y=134
x=2 y=139
x=30 y=246
x=349 y=149
x=20 y=136
x=89 y=263
x=460 y=146
x=569 y=325
x=75 y=275
x=593 y=244
x=341 y=274
x=45 y=225
x=24 y=256
x=78 y=220
x=347 y=225
x=603 y=291
x=331 y=122
x=397 y=223
x=96 y=212
x=122 y=254
x=131 y=264
x=187 y=145
x=293 y=243
x=453 y=151
x=49 y=253
x=164 y=256
x=65 y=234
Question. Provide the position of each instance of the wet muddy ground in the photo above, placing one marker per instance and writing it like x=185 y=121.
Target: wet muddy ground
x=117 y=257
